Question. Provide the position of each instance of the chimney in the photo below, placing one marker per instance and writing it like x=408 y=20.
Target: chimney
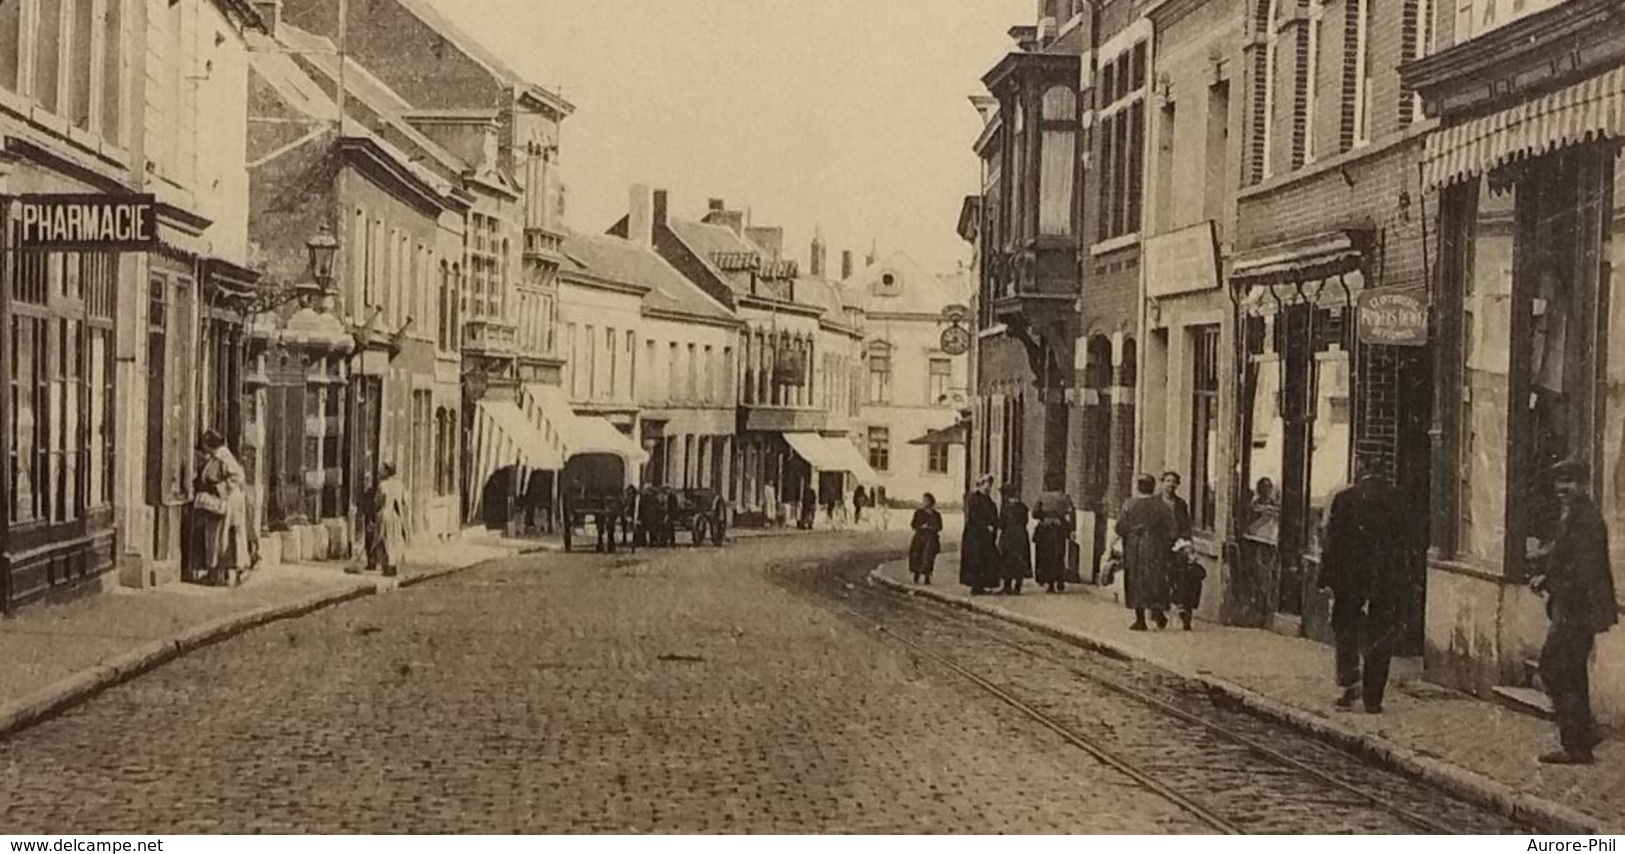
x=270 y=12
x=846 y=264
x=816 y=258
x=718 y=214
x=640 y=216
x=658 y=218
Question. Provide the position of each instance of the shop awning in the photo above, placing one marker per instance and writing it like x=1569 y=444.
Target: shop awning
x=856 y=465
x=817 y=451
x=826 y=454
x=1309 y=259
x=549 y=409
x=504 y=435
x=955 y=434
x=1592 y=109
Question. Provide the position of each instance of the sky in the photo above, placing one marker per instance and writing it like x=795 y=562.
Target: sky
x=847 y=115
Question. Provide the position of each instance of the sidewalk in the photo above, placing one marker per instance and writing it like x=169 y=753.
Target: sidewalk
x=1474 y=748
x=53 y=656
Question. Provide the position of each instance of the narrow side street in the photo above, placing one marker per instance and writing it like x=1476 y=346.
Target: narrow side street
x=684 y=690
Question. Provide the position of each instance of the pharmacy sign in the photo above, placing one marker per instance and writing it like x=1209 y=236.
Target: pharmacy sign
x=87 y=222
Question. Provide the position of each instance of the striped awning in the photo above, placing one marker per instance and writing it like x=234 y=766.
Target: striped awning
x=1592 y=109
x=505 y=440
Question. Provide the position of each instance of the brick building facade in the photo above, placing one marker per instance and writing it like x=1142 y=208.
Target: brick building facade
x=1331 y=212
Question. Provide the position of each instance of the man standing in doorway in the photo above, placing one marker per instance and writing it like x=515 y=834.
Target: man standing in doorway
x=1363 y=564
x=1578 y=582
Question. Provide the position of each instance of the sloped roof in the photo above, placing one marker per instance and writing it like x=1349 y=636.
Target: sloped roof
x=707 y=241
x=624 y=262
x=290 y=77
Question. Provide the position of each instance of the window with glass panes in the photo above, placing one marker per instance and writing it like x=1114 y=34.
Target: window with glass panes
x=880 y=372
x=880 y=448
x=940 y=374
x=1121 y=134
x=936 y=459
x=59 y=439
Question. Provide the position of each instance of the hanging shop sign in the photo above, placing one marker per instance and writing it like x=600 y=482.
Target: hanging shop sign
x=88 y=222
x=1395 y=319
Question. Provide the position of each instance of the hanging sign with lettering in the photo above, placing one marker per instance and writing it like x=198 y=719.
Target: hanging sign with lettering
x=1393 y=318
x=98 y=222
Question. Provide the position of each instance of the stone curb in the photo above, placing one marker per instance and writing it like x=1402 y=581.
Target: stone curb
x=1463 y=783
x=70 y=691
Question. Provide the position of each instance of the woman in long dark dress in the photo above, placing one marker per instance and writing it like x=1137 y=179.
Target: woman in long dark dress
x=927 y=542
x=1056 y=520
x=1015 y=546
x=978 y=546
x=1146 y=528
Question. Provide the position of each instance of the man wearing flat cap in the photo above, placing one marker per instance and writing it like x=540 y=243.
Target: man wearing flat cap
x=1573 y=571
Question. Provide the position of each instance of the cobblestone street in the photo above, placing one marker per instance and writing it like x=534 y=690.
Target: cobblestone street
x=674 y=691
x=671 y=691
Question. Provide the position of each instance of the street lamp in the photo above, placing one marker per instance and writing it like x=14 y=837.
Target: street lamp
x=323 y=248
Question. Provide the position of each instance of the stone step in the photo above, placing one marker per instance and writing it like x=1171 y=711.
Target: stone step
x=1530 y=701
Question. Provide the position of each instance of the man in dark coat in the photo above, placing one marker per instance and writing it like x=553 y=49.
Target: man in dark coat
x=978 y=546
x=1364 y=565
x=1145 y=527
x=1579 y=586
x=809 y=508
x=1184 y=573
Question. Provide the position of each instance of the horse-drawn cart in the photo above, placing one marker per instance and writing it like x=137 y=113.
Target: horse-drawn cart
x=597 y=492
x=704 y=514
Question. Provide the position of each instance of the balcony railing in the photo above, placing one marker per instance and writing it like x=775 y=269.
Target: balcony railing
x=490 y=337
x=544 y=243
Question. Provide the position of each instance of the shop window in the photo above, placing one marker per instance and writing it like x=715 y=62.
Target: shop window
x=1204 y=427
x=880 y=448
x=936 y=459
x=60 y=386
x=1486 y=329
x=1613 y=437
x=1266 y=445
x=1534 y=315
